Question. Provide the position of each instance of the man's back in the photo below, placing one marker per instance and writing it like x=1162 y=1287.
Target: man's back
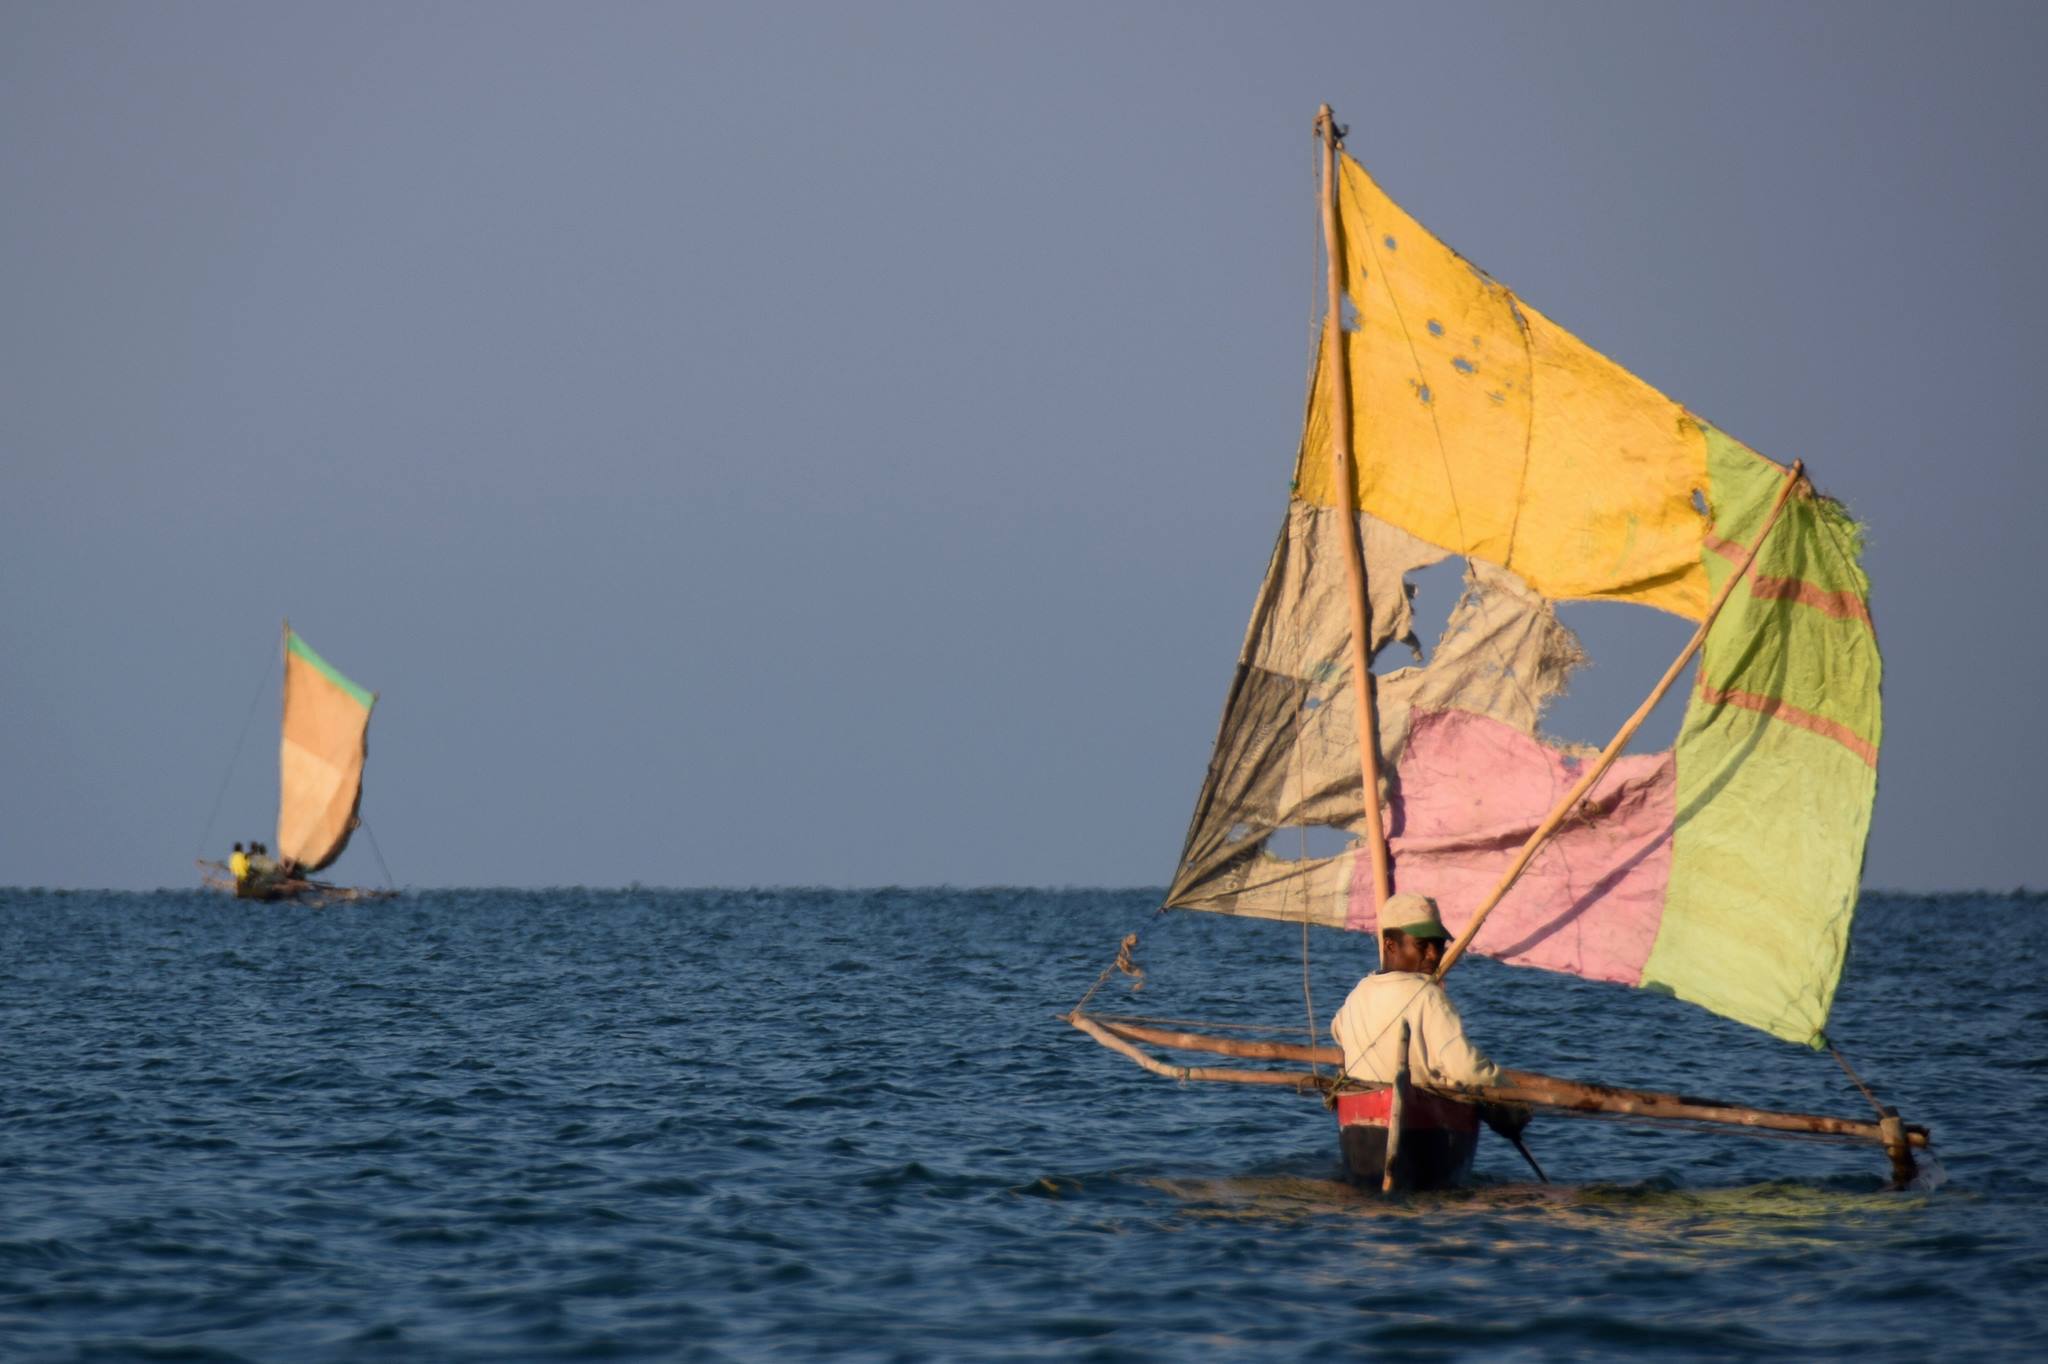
x=1368 y=1028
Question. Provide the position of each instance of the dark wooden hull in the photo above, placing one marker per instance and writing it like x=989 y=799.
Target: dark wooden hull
x=312 y=893
x=294 y=889
x=1438 y=1139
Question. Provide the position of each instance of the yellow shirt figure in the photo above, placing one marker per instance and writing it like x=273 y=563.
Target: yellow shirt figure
x=238 y=863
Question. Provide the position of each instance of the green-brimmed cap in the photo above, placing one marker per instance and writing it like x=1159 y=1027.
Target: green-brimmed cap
x=1412 y=914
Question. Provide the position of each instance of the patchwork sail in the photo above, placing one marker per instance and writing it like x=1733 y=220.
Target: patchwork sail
x=1724 y=871
x=320 y=757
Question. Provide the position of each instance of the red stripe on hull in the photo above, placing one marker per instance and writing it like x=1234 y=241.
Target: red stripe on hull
x=1369 y=1109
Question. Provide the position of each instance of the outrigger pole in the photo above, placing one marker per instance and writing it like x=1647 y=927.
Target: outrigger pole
x=1519 y=1087
x=1337 y=364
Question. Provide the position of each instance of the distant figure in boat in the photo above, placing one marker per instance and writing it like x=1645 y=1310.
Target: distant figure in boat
x=238 y=865
x=1368 y=1027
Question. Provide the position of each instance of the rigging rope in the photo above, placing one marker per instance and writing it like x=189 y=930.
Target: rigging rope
x=1316 y=303
x=1209 y=1024
x=1855 y=1079
x=1308 y=1001
x=1124 y=962
x=1315 y=292
x=206 y=833
x=364 y=824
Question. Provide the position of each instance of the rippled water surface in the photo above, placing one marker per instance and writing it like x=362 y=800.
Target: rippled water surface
x=741 y=1124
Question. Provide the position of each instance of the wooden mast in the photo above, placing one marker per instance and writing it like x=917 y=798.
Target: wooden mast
x=1580 y=788
x=1336 y=364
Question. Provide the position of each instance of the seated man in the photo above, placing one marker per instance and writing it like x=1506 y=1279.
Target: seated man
x=1368 y=1026
x=238 y=864
x=262 y=867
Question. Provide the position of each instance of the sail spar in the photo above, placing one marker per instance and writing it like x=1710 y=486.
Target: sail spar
x=320 y=757
x=1724 y=871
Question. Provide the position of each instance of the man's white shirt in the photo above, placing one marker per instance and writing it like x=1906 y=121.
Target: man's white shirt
x=1368 y=1028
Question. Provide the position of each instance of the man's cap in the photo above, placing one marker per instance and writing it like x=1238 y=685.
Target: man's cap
x=1412 y=914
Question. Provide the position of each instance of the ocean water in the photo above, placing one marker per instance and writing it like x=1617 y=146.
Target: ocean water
x=769 y=1124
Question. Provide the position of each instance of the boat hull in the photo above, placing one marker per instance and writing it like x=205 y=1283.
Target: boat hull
x=294 y=889
x=1438 y=1139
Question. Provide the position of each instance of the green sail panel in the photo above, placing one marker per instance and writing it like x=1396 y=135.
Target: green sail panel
x=1777 y=765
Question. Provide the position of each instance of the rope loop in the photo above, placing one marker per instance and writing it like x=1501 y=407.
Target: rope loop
x=1125 y=962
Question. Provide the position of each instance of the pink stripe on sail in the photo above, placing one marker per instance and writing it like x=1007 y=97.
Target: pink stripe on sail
x=1472 y=789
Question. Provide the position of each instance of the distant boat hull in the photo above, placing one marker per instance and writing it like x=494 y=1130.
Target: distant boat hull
x=1438 y=1139
x=295 y=889
x=250 y=888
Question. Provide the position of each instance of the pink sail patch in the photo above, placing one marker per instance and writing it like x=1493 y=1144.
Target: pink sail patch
x=1472 y=790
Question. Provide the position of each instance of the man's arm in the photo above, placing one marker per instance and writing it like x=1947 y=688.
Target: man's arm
x=1446 y=1050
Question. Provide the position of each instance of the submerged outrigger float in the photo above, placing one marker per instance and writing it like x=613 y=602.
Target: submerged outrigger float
x=1454 y=420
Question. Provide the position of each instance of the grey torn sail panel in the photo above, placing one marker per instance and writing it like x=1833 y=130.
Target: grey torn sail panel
x=1286 y=753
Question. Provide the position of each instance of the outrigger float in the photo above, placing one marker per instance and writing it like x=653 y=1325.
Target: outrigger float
x=1449 y=418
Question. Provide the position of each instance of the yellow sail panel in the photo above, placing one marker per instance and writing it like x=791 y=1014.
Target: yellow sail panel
x=1481 y=426
x=320 y=759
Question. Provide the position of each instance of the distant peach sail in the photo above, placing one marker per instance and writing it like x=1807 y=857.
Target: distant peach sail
x=1724 y=871
x=320 y=759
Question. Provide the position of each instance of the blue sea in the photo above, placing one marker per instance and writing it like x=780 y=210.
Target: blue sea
x=637 y=1124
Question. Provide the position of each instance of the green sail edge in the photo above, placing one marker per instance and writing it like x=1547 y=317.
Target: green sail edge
x=297 y=645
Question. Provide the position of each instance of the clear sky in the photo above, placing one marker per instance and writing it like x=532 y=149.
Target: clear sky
x=775 y=443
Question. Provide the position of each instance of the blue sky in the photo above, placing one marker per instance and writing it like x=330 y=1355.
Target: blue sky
x=791 y=444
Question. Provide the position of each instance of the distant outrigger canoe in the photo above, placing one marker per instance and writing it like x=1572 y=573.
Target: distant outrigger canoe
x=324 y=742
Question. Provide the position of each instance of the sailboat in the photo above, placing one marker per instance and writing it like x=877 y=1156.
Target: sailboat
x=1448 y=418
x=324 y=740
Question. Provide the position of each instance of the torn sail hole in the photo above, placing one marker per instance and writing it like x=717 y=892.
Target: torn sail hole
x=1699 y=504
x=1347 y=314
x=1628 y=648
x=1307 y=842
x=1433 y=593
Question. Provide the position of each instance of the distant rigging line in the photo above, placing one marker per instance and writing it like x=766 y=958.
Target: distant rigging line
x=262 y=687
x=372 y=834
